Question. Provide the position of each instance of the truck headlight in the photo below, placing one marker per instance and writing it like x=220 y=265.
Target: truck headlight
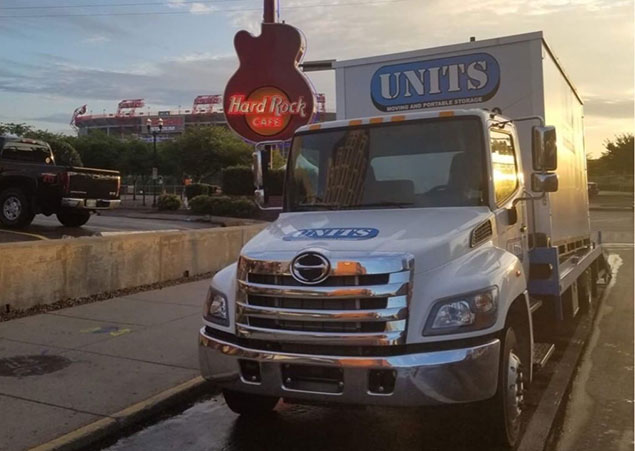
x=215 y=309
x=464 y=313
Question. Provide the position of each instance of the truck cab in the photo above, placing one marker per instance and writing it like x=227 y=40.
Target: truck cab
x=397 y=273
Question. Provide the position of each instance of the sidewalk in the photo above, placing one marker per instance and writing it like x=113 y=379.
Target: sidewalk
x=66 y=369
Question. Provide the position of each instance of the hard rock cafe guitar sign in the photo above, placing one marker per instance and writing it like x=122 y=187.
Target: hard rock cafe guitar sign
x=268 y=97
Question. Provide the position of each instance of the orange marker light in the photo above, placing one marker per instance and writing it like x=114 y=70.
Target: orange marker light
x=376 y=120
x=355 y=122
x=398 y=118
x=315 y=127
x=446 y=114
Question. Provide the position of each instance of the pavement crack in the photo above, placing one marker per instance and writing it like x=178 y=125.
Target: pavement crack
x=51 y=404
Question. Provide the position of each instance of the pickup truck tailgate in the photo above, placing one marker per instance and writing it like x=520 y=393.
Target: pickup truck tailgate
x=90 y=183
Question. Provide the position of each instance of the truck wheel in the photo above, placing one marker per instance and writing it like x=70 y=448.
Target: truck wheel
x=585 y=290
x=248 y=404
x=15 y=208
x=73 y=218
x=504 y=410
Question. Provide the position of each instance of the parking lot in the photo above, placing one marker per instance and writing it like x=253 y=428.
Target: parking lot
x=48 y=227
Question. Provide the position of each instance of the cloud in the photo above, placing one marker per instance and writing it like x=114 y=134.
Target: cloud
x=620 y=108
x=55 y=118
x=170 y=82
x=96 y=39
x=194 y=8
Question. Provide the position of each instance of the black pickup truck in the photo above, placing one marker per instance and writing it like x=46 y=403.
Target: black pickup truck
x=31 y=183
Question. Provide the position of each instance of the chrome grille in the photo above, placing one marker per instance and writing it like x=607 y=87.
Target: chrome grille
x=362 y=302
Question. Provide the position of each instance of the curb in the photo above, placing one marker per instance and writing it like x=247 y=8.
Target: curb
x=541 y=427
x=108 y=427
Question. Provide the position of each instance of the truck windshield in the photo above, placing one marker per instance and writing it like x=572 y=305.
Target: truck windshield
x=413 y=164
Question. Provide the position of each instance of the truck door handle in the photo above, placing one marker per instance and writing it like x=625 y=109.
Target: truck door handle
x=523 y=228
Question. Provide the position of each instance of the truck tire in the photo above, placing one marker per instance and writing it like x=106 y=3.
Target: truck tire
x=249 y=404
x=15 y=208
x=73 y=218
x=503 y=412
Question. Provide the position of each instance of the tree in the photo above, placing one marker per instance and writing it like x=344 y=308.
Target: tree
x=206 y=150
x=11 y=128
x=618 y=157
x=98 y=150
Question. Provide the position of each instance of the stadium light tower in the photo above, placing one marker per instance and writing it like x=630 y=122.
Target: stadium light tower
x=155 y=171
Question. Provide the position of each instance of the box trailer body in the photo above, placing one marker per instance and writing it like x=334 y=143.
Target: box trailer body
x=519 y=74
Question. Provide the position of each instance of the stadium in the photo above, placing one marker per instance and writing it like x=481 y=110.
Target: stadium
x=131 y=120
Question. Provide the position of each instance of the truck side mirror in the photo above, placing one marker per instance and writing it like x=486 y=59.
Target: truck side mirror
x=544 y=148
x=544 y=183
x=260 y=167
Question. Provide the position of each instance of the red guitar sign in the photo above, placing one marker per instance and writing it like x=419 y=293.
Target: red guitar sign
x=268 y=97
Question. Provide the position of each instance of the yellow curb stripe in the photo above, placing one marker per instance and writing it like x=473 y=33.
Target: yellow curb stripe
x=34 y=235
x=81 y=437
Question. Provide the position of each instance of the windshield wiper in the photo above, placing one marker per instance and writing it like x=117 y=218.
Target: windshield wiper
x=382 y=204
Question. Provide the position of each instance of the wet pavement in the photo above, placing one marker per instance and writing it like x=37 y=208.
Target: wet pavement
x=212 y=426
x=599 y=415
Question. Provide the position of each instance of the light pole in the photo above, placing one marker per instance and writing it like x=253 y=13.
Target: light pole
x=155 y=171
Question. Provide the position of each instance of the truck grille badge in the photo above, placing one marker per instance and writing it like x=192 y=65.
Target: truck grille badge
x=310 y=268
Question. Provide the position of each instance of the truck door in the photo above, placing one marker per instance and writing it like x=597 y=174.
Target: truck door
x=508 y=186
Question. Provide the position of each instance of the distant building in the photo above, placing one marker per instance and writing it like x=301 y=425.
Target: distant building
x=130 y=120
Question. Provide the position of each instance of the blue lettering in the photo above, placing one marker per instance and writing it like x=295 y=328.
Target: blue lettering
x=333 y=233
x=451 y=81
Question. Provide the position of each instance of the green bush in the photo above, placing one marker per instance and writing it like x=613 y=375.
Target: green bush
x=196 y=189
x=238 y=181
x=275 y=182
x=169 y=202
x=223 y=206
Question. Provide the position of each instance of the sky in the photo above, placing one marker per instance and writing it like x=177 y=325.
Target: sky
x=93 y=52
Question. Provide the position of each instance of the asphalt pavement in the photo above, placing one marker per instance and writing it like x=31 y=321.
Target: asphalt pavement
x=48 y=227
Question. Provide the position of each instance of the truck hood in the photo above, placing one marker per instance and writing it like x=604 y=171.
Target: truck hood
x=434 y=236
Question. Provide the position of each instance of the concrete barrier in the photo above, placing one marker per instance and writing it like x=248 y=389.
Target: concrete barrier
x=44 y=272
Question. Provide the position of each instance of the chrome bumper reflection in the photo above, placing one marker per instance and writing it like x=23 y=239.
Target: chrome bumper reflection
x=428 y=378
x=90 y=204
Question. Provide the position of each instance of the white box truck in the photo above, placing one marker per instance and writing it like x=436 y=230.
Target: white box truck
x=422 y=233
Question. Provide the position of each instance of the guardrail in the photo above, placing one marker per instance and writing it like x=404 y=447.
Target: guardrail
x=44 y=272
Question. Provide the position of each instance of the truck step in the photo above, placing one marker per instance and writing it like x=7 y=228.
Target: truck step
x=542 y=353
x=534 y=304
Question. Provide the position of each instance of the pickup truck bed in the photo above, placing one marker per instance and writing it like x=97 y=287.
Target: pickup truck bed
x=31 y=183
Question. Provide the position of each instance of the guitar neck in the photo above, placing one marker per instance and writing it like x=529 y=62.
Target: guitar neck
x=270 y=11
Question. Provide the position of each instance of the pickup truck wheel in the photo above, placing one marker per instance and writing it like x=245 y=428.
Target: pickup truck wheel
x=504 y=410
x=249 y=404
x=73 y=218
x=15 y=208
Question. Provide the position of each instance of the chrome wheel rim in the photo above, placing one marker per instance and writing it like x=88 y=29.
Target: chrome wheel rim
x=515 y=394
x=11 y=208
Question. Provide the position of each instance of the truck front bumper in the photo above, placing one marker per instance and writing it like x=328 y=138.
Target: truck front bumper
x=428 y=378
x=90 y=204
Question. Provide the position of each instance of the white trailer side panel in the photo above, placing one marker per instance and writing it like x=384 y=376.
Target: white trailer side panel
x=529 y=82
x=569 y=206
